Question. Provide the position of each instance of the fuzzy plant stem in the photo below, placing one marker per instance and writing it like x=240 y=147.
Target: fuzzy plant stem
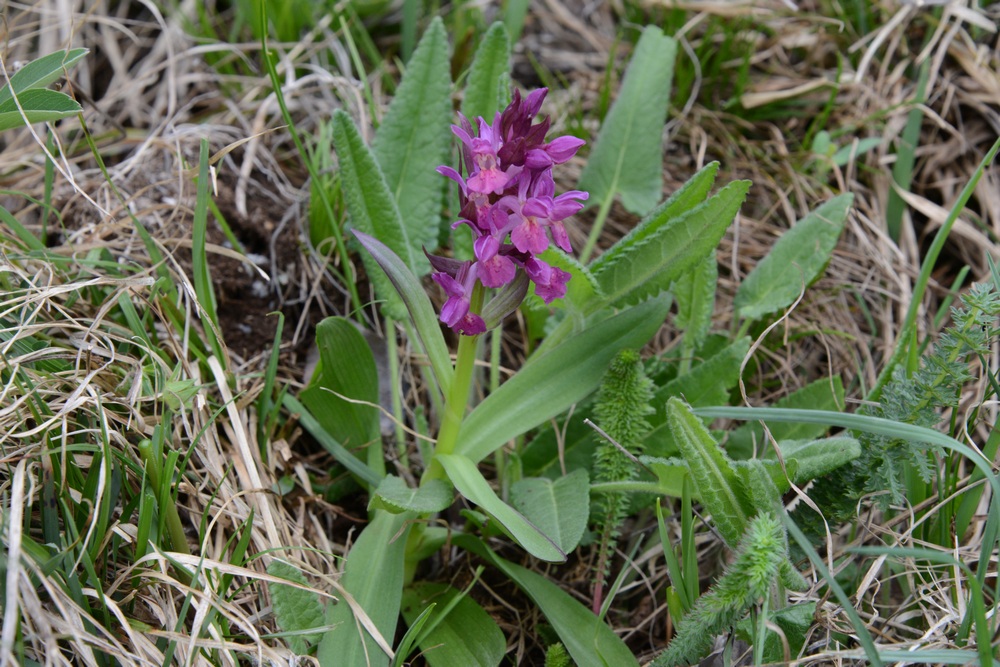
x=458 y=394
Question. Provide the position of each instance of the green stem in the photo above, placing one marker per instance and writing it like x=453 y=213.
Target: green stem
x=458 y=394
x=595 y=231
x=154 y=471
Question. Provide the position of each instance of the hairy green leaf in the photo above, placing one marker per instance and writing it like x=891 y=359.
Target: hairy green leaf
x=395 y=496
x=467 y=635
x=558 y=507
x=694 y=293
x=414 y=139
x=373 y=576
x=547 y=385
x=40 y=105
x=815 y=458
x=796 y=260
x=40 y=73
x=295 y=609
x=628 y=156
x=651 y=262
x=466 y=477
x=373 y=208
x=488 y=87
x=590 y=642
x=713 y=473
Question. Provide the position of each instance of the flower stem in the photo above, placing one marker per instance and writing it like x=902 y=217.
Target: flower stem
x=595 y=231
x=458 y=394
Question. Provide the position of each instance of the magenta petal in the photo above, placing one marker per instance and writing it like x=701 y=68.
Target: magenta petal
x=454 y=310
x=533 y=103
x=537 y=208
x=556 y=288
x=530 y=237
x=537 y=159
x=496 y=271
x=488 y=181
x=563 y=148
x=471 y=325
x=485 y=248
x=560 y=236
x=452 y=287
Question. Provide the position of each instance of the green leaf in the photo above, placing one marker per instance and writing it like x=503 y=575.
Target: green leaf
x=649 y=263
x=794 y=622
x=467 y=635
x=559 y=508
x=713 y=473
x=40 y=105
x=488 y=87
x=347 y=367
x=418 y=304
x=815 y=458
x=796 y=260
x=373 y=207
x=590 y=642
x=395 y=496
x=694 y=293
x=466 y=477
x=628 y=156
x=295 y=609
x=547 y=385
x=41 y=72
x=825 y=394
x=414 y=139
x=373 y=576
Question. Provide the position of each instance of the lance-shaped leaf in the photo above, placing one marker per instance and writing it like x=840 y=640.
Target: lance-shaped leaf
x=393 y=495
x=41 y=72
x=414 y=139
x=815 y=458
x=466 y=477
x=559 y=508
x=464 y=635
x=547 y=385
x=650 y=262
x=372 y=207
x=628 y=156
x=694 y=293
x=796 y=260
x=488 y=87
x=719 y=485
x=419 y=306
x=40 y=105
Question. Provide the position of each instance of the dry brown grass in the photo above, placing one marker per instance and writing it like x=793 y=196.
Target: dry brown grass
x=150 y=96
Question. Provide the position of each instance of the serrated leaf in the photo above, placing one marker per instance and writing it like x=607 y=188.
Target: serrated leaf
x=590 y=642
x=347 y=367
x=395 y=496
x=815 y=458
x=488 y=87
x=295 y=609
x=560 y=508
x=796 y=260
x=418 y=305
x=372 y=207
x=694 y=294
x=373 y=575
x=547 y=385
x=466 y=477
x=466 y=636
x=628 y=156
x=711 y=470
x=41 y=72
x=40 y=105
x=414 y=139
x=650 y=264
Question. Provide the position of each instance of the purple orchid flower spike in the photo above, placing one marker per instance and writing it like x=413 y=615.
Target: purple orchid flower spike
x=508 y=201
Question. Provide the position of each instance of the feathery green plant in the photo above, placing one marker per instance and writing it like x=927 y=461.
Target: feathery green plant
x=623 y=403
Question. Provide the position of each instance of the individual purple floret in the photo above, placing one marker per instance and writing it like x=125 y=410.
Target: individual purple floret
x=509 y=202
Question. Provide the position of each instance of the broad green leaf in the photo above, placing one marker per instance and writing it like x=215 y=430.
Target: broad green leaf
x=467 y=635
x=796 y=260
x=628 y=156
x=418 y=304
x=466 y=477
x=590 y=642
x=395 y=496
x=694 y=294
x=373 y=576
x=815 y=458
x=346 y=368
x=41 y=72
x=560 y=508
x=825 y=394
x=547 y=385
x=711 y=470
x=675 y=245
x=414 y=138
x=295 y=609
x=372 y=207
x=487 y=89
x=40 y=105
